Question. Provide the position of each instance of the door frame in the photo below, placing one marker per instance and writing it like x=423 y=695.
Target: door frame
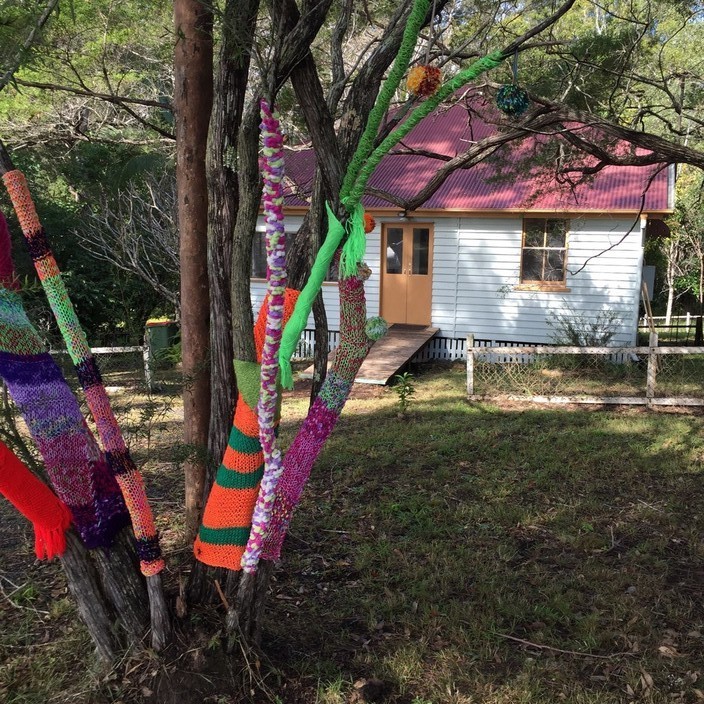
x=407 y=226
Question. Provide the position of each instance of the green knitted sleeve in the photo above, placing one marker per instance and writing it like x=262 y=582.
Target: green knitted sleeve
x=423 y=110
x=403 y=58
x=299 y=318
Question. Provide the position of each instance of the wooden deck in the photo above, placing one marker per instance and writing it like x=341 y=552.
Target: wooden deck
x=389 y=354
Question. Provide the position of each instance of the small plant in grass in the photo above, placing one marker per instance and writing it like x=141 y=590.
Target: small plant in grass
x=404 y=388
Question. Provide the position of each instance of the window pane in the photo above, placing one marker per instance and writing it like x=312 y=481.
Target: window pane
x=532 y=265
x=258 y=256
x=535 y=232
x=555 y=265
x=421 y=241
x=556 y=233
x=394 y=250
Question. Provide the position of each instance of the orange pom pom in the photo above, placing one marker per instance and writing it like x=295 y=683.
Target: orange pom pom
x=423 y=81
x=369 y=223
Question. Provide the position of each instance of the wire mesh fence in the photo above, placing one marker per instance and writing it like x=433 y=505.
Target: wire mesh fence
x=639 y=375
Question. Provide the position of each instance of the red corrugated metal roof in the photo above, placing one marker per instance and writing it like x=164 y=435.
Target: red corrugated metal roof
x=494 y=183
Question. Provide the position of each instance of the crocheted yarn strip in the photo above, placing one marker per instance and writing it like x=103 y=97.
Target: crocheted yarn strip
x=76 y=467
x=273 y=199
x=323 y=414
x=117 y=454
x=35 y=501
x=227 y=519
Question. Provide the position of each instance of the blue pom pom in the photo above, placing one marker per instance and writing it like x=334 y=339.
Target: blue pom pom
x=512 y=100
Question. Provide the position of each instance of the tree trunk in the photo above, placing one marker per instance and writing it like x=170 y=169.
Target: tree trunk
x=84 y=584
x=111 y=594
x=250 y=197
x=670 y=301
x=231 y=82
x=699 y=326
x=193 y=95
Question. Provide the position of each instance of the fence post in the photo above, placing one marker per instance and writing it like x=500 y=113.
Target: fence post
x=689 y=321
x=148 y=372
x=469 y=351
x=652 y=369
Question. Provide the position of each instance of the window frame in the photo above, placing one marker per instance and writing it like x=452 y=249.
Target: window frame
x=541 y=284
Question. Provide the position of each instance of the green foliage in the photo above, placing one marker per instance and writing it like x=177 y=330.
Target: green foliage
x=584 y=331
x=404 y=388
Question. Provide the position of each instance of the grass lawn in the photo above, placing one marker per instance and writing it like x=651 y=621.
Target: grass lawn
x=465 y=553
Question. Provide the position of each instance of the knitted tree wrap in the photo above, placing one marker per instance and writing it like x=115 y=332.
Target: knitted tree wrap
x=117 y=454
x=273 y=198
x=76 y=467
x=356 y=190
x=323 y=415
x=227 y=519
x=386 y=94
x=297 y=323
x=35 y=501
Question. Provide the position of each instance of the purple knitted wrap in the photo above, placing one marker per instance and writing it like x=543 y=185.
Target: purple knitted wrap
x=75 y=465
x=323 y=414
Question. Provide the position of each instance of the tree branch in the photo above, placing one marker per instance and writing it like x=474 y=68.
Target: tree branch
x=41 y=21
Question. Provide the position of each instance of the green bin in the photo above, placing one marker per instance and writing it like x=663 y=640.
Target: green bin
x=160 y=335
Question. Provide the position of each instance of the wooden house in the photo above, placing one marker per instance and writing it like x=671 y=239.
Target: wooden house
x=505 y=255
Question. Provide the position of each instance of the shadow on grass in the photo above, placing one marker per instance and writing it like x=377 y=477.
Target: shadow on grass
x=424 y=542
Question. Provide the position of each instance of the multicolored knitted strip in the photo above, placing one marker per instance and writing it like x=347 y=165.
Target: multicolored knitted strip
x=36 y=502
x=323 y=414
x=273 y=198
x=74 y=463
x=227 y=519
x=118 y=456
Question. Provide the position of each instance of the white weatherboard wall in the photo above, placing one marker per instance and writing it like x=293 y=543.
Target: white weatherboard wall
x=331 y=295
x=477 y=270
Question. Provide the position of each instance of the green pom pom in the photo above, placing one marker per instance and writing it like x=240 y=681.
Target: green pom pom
x=512 y=100
x=376 y=328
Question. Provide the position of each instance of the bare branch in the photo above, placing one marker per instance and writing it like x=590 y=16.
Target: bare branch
x=41 y=21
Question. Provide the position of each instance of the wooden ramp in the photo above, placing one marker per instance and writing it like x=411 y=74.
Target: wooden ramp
x=388 y=355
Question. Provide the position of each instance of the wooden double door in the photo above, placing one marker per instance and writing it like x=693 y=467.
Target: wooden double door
x=407 y=273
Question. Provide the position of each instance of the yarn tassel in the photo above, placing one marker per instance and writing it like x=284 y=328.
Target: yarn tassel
x=49 y=516
x=51 y=542
x=355 y=248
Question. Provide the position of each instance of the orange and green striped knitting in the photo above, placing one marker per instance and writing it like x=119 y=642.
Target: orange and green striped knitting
x=227 y=519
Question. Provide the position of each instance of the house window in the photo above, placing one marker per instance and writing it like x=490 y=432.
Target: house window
x=544 y=252
x=259 y=257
